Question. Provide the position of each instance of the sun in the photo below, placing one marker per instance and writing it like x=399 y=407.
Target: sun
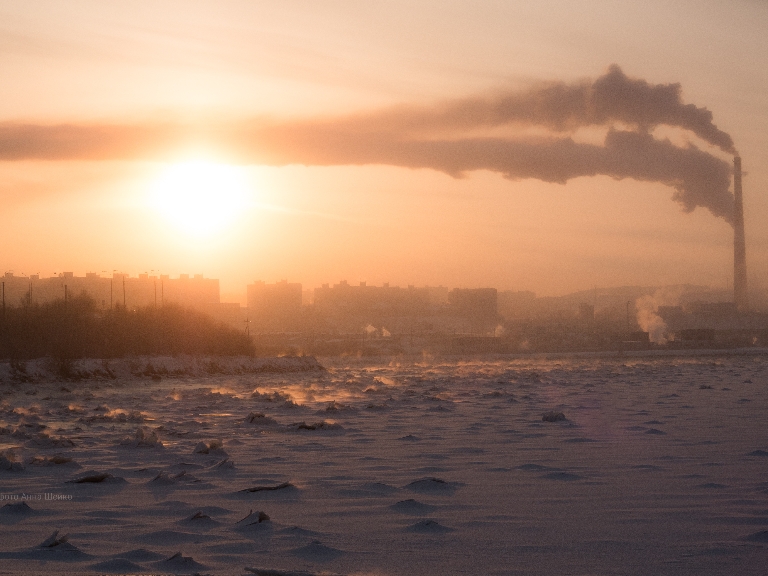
x=200 y=198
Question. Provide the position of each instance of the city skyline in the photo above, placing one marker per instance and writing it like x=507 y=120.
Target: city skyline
x=308 y=291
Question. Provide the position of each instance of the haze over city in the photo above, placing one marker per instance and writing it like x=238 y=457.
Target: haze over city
x=546 y=148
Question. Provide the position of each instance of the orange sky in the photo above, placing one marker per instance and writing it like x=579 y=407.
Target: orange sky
x=238 y=65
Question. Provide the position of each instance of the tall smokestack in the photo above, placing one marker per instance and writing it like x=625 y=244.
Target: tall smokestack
x=739 y=244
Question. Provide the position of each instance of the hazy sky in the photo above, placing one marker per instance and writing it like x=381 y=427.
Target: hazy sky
x=401 y=142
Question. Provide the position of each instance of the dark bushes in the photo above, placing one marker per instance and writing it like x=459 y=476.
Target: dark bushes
x=78 y=329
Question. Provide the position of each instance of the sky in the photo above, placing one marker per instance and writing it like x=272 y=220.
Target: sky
x=547 y=146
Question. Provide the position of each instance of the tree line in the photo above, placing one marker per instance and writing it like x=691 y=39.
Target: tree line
x=77 y=328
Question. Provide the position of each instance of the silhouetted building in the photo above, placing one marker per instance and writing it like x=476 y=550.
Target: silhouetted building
x=364 y=309
x=373 y=302
x=477 y=303
x=713 y=309
x=698 y=335
x=516 y=305
x=274 y=307
x=278 y=298
x=119 y=290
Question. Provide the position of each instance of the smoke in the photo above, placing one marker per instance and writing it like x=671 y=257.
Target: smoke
x=647 y=312
x=698 y=178
x=610 y=99
x=444 y=137
x=649 y=320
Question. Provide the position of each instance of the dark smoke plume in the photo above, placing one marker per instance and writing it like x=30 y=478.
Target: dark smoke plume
x=611 y=98
x=437 y=138
x=698 y=178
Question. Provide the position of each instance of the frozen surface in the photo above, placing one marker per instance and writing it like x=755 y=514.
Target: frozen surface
x=392 y=468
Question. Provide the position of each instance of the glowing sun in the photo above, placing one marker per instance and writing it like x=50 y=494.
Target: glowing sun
x=200 y=198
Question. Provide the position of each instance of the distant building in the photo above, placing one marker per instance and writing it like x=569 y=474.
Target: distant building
x=713 y=309
x=110 y=292
x=374 y=302
x=195 y=292
x=474 y=311
x=347 y=308
x=516 y=305
x=278 y=298
x=274 y=307
x=475 y=303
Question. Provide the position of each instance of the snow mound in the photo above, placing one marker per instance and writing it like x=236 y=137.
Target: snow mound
x=200 y=521
x=44 y=440
x=283 y=486
x=553 y=416
x=322 y=425
x=428 y=527
x=97 y=478
x=55 y=460
x=179 y=564
x=761 y=536
x=9 y=461
x=432 y=485
x=412 y=507
x=223 y=466
x=144 y=437
x=259 y=419
x=317 y=551
x=252 y=518
x=166 y=479
x=55 y=540
x=17 y=509
x=215 y=447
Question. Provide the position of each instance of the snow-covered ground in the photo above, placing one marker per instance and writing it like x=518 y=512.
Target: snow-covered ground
x=423 y=467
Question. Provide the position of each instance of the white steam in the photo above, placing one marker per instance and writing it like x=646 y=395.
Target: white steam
x=647 y=313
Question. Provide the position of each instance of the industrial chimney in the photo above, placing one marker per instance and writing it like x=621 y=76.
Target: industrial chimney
x=739 y=243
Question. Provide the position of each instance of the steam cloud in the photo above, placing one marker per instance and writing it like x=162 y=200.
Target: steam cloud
x=647 y=312
x=439 y=137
